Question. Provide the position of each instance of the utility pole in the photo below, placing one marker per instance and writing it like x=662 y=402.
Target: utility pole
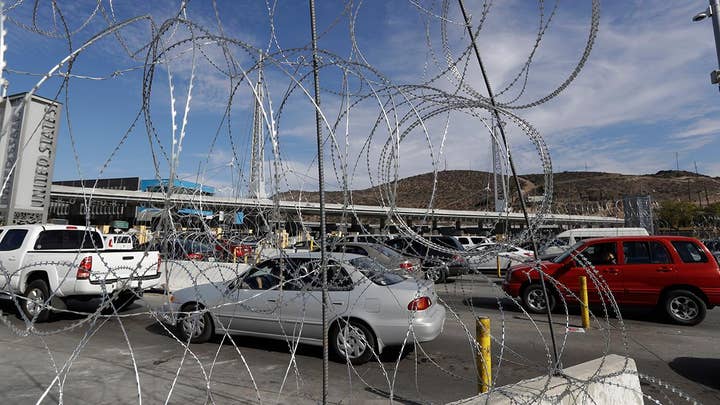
x=677 y=162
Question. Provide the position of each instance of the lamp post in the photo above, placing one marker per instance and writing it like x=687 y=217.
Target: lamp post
x=712 y=12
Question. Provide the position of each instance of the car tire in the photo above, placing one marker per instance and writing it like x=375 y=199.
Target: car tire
x=684 y=307
x=352 y=341
x=194 y=327
x=436 y=274
x=533 y=298
x=33 y=305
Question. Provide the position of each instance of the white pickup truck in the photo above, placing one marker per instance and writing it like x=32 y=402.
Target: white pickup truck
x=43 y=265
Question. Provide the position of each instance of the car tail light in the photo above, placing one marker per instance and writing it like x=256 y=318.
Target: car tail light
x=195 y=256
x=529 y=254
x=419 y=304
x=459 y=259
x=407 y=266
x=159 y=262
x=110 y=243
x=84 y=269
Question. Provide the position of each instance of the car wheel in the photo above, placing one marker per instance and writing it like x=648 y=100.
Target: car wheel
x=352 y=341
x=684 y=308
x=194 y=324
x=533 y=299
x=34 y=304
x=436 y=275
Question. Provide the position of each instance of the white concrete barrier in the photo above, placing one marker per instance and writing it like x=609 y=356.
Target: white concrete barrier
x=608 y=380
x=179 y=274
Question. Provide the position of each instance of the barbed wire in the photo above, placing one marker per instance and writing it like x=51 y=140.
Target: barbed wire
x=211 y=273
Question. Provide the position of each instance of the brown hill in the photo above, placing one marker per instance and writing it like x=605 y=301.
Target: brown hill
x=473 y=190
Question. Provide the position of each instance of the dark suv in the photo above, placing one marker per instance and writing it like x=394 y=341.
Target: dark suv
x=437 y=264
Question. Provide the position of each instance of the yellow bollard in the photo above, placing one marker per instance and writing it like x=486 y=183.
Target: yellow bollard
x=483 y=359
x=245 y=258
x=312 y=243
x=498 y=267
x=584 y=311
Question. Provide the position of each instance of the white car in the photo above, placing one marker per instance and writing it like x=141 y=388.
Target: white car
x=280 y=298
x=470 y=241
x=485 y=256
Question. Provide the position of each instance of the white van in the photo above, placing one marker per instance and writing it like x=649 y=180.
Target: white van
x=574 y=235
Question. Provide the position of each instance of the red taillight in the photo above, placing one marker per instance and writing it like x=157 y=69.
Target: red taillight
x=71 y=227
x=110 y=242
x=195 y=256
x=530 y=254
x=83 y=271
x=159 y=261
x=419 y=304
x=459 y=259
x=407 y=266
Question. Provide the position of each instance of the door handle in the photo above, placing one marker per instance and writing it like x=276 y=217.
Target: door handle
x=663 y=270
x=338 y=303
x=271 y=300
x=612 y=271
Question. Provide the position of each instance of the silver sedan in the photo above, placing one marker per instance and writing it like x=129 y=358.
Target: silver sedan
x=370 y=308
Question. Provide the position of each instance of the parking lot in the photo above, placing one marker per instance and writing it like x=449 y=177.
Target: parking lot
x=102 y=362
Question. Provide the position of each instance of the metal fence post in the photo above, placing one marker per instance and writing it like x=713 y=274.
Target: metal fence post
x=483 y=359
x=584 y=311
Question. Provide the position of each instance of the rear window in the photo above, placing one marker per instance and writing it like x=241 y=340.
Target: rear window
x=375 y=272
x=689 y=252
x=13 y=239
x=62 y=239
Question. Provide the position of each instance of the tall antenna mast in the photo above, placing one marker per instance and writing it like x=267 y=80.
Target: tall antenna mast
x=257 y=156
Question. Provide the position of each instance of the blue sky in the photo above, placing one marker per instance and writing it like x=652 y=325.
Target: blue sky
x=643 y=95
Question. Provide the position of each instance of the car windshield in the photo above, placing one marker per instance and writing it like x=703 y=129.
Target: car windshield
x=375 y=272
x=567 y=253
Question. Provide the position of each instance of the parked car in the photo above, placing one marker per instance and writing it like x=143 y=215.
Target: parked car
x=184 y=249
x=673 y=273
x=552 y=249
x=388 y=258
x=485 y=256
x=282 y=296
x=437 y=264
x=42 y=264
x=470 y=241
x=235 y=248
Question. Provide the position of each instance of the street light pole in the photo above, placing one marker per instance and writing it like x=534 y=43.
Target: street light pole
x=714 y=8
x=712 y=12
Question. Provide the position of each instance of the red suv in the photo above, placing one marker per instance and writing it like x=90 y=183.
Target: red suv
x=676 y=274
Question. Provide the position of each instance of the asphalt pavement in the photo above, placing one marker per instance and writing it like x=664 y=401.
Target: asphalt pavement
x=113 y=360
